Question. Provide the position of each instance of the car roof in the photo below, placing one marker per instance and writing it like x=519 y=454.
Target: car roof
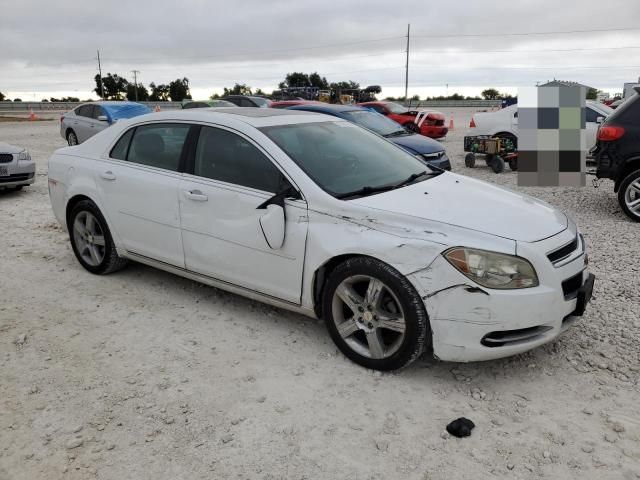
x=329 y=108
x=257 y=117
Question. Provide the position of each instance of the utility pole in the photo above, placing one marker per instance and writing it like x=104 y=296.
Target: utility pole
x=100 y=72
x=406 y=72
x=135 y=81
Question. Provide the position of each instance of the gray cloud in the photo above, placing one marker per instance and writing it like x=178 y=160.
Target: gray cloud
x=50 y=46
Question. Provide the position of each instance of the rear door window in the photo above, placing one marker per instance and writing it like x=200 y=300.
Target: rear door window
x=158 y=145
x=84 y=110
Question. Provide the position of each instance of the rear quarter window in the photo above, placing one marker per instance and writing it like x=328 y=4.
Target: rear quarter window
x=119 y=151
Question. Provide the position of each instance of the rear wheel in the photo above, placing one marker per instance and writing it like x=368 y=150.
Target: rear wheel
x=91 y=240
x=72 y=138
x=497 y=164
x=470 y=160
x=513 y=164
x=374 y=314
x=629 y=195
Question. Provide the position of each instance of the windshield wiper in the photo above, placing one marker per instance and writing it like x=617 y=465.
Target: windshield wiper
x=397 y=133
x=415 y=176
x=366 y=190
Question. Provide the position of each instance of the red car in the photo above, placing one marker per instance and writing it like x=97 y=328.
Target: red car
x=291 y=103
x=432 y=125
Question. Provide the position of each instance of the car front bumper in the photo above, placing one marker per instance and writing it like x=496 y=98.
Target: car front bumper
x=473 y=323
x=20 y=173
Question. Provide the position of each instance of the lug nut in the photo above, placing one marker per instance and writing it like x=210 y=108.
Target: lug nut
x=370 y=325
x=360 y=320
x=360 y=309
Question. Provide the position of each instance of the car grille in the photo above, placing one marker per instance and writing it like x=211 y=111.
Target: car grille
x=6 y=158
x=571 y=286
x=433 y=156
x=514 y=337
x=565 y=251
x=16 y=177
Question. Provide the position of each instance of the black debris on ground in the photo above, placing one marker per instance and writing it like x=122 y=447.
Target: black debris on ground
x=460 y=427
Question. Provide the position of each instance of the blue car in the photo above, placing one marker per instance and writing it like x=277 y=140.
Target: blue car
x=88 y=119
x=424 y=148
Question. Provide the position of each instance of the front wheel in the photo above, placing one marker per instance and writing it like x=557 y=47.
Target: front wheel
x=629 y=195
x=374 y=315
x=470 y=160
x=497 y=164
x=91 y=240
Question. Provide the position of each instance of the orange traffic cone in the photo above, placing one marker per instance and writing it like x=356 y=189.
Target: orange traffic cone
x=157 y=108
x=32 y=116
x=451 y=124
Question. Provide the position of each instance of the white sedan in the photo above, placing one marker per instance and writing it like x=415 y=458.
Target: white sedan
x=314 y=214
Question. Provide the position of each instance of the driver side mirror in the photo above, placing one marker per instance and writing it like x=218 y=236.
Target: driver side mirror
x=273 y=226
x=599 y=119
x=103 y=118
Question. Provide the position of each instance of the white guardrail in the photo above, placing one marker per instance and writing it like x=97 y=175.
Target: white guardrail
x=22 y=107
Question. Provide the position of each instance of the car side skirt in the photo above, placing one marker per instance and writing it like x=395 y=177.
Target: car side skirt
x=221 y=284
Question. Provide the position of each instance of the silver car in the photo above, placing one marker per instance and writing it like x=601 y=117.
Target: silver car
x=85 y=121
x=16 y=167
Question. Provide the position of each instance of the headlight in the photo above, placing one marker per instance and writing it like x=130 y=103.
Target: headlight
x=493 y=270
x=24 y=156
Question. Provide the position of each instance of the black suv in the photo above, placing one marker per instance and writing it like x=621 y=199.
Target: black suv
x=617 y=154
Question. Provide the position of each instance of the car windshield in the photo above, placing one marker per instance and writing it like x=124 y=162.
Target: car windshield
x=345 y=160
x=396 y=107
x=375 y=122
x=261 y=102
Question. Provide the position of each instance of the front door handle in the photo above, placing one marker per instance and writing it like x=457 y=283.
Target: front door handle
x=108 y=175
x=196 y=195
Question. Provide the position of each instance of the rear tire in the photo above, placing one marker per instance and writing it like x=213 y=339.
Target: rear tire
x=374 y=314
x=497 y=164
x=72 y=138
x=470 y=160
x=91 y=239
x=629 y=195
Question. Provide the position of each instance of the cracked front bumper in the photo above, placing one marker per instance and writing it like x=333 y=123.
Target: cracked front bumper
x=473 y=323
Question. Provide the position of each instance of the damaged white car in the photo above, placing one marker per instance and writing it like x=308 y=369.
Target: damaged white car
x=317 y=215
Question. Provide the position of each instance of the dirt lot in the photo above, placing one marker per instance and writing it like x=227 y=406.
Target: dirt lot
x=145 y=375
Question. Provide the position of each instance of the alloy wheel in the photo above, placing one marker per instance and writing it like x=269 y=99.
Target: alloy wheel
x=368 y=316
x=632 y=197
x=89 y=238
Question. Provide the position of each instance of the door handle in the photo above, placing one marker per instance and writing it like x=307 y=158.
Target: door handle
x=108 y=175
x=196 y=195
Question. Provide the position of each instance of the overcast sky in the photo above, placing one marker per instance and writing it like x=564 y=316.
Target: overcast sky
x=48 y=48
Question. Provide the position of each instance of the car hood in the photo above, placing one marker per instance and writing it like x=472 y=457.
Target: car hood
x=6 y=148
x=472 y=204
x=418 y=144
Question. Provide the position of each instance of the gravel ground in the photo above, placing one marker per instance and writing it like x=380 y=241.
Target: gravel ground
x=142 y=374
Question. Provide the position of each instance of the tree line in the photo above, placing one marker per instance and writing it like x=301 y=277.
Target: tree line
x=116 y=87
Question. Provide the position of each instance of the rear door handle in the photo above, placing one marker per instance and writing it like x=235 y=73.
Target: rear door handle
x=108 y=175
x=196 y=195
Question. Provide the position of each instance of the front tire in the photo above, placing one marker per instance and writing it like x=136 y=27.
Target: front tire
x=629 y=195
x=374 y=315
x=470 y=160
x=497 y=164
x=91 y=239
x=72 y=138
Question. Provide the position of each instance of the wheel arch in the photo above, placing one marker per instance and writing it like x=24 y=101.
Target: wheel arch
x=630 y=165
x=73 y=201
x=322 y=273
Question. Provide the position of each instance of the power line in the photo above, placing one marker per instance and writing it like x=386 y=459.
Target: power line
x=557 y=32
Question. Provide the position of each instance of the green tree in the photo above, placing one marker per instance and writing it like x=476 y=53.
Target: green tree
x=592 y=94
x=1 y=97
x=214 y=96
x=115 y=86
x=69 y=99
x=143 y=93
x=179 y=90
x=490 y=94
x=260 y=93
x=17 y=99
x=159 y=93
x=349 y=84
x=238 y=89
